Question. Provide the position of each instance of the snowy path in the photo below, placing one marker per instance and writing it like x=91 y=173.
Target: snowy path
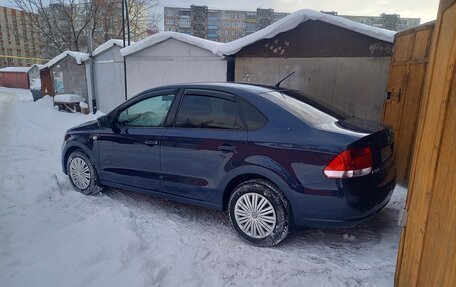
x=53 y=236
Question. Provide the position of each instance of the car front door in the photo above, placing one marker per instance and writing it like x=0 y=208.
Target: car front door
x=130 y=149
x=203 y=145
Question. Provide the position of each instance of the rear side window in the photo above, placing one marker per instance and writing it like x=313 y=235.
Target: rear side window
x=254 y=118
x=209 y=113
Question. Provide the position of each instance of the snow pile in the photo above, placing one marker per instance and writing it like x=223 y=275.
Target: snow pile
x=83 y=105
x=15 y=70
x=78 y=57
x=51 y=235
x=293 y=20
x=105 y=46
x=160 y=37
x=68 y=98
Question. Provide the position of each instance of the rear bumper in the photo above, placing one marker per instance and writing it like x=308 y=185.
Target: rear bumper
x=343 y=203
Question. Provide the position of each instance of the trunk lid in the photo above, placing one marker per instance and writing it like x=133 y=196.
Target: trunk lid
x=377 y=136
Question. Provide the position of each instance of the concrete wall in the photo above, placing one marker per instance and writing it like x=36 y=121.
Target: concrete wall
x=171 y=62
x=109 y=80
x=354 y=85
x=69 y=77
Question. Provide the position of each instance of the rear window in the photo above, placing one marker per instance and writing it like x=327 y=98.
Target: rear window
x=306 y=108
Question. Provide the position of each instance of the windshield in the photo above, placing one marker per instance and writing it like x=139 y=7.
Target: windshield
x=306 y=108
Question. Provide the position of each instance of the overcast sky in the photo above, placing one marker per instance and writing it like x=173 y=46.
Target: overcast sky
x=424 y=9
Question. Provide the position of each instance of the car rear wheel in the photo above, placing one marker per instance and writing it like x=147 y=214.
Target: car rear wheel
x=82 y=173
x=259 y=213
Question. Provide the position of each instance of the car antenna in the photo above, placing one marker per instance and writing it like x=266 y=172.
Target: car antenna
x=278 y=84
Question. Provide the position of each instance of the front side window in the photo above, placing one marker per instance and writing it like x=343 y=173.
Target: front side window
x=150 y=112
x=208 y=112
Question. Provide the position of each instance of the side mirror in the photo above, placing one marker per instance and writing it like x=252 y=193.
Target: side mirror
x=105 y=121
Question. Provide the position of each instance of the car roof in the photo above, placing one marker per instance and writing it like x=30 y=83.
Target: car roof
x=222 y=86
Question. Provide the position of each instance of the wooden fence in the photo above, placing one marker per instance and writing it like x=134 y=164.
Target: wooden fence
x=427 y=252
x=405 y=86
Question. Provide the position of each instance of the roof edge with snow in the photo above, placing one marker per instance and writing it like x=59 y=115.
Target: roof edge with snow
x=78 y=56
x=212 y=46
x=293 y=20
x=104 y=47
x=15 y=69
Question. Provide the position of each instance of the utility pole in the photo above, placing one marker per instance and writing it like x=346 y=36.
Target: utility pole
x=123 y=37
x=92 y=76
x=128 y=22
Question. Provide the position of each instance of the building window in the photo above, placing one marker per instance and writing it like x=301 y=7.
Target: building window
x=169 y=21
x=170 y=13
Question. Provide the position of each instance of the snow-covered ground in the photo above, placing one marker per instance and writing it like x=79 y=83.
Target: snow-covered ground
x=51 y=235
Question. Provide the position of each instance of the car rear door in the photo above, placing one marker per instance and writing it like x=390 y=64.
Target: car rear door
x=130 y=150
x=203 y=145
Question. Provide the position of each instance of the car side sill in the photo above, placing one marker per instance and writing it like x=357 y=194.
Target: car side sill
x=162 y=195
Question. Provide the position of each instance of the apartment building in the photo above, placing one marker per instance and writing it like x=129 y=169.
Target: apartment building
x=19 y=43
x=392 y=22
x=218 y=25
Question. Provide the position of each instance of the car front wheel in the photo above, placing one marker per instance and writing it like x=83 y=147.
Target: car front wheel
x=259 y=213
x=82 y=173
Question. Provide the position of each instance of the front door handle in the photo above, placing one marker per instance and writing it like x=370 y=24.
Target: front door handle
x=151 y=142
x=226 y=147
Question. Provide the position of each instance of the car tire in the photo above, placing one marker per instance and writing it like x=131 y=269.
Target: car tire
x=82 y=173
x=262 y=204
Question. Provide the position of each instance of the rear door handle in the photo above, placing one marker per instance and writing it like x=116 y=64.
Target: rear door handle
x=226 y=147
x=151 y=142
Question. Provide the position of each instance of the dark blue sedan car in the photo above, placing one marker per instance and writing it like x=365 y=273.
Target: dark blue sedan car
x=272 y=158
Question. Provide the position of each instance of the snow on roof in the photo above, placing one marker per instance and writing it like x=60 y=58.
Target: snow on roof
x=293 y=20
x=78 y=56
x=68 y=98
x=105 y=46
x=15 y=69
x=160 y=37
x=38 y=65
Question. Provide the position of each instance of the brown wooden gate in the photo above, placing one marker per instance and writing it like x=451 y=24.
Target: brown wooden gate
x=47 y=83
x=405 y=84
x=427 y=252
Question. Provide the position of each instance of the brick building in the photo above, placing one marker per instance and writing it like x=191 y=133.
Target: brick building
x=19 y=43
x=218 y=25
x=392 y=22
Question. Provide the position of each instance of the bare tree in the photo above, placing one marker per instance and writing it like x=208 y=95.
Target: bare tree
x=64 y=24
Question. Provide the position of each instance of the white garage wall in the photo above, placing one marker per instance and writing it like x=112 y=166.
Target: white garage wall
x=171 y=62
x=109 y=80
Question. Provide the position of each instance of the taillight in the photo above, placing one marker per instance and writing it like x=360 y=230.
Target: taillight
x=353 y=162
